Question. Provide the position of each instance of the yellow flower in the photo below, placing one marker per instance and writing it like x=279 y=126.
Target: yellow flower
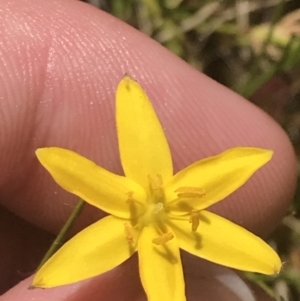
x=151 y=210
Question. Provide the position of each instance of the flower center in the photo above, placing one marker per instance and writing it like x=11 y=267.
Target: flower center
x=155 y=211
x=152 y=213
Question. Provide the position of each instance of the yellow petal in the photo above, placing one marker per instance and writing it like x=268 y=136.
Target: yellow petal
x=144 y=149
x=93 y=251
x=217 y=176
x=90 y=182
x=160 y=267
x=223 y=242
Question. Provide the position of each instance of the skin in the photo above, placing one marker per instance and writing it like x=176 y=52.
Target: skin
x=60 y=63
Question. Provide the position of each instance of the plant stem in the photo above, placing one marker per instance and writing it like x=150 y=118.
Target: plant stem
x=61 y=235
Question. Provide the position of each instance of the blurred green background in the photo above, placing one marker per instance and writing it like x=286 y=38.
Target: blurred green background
x=252 y=47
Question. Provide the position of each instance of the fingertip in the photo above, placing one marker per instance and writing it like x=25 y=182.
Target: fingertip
x=90 y=53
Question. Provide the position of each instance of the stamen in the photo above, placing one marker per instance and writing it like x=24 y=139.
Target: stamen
x=195 y=219
x=163 y=238
x=190 y=192
x=130 y=199
x=156 y=182
x=128 y=233
x=156 y=186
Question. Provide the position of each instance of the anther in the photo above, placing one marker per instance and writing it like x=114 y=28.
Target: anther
x=156 y=182
x=130 y=199
x=195 y=220
x=156 y=186
x=190 y=192
x=128 y=233
x=163 y=238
